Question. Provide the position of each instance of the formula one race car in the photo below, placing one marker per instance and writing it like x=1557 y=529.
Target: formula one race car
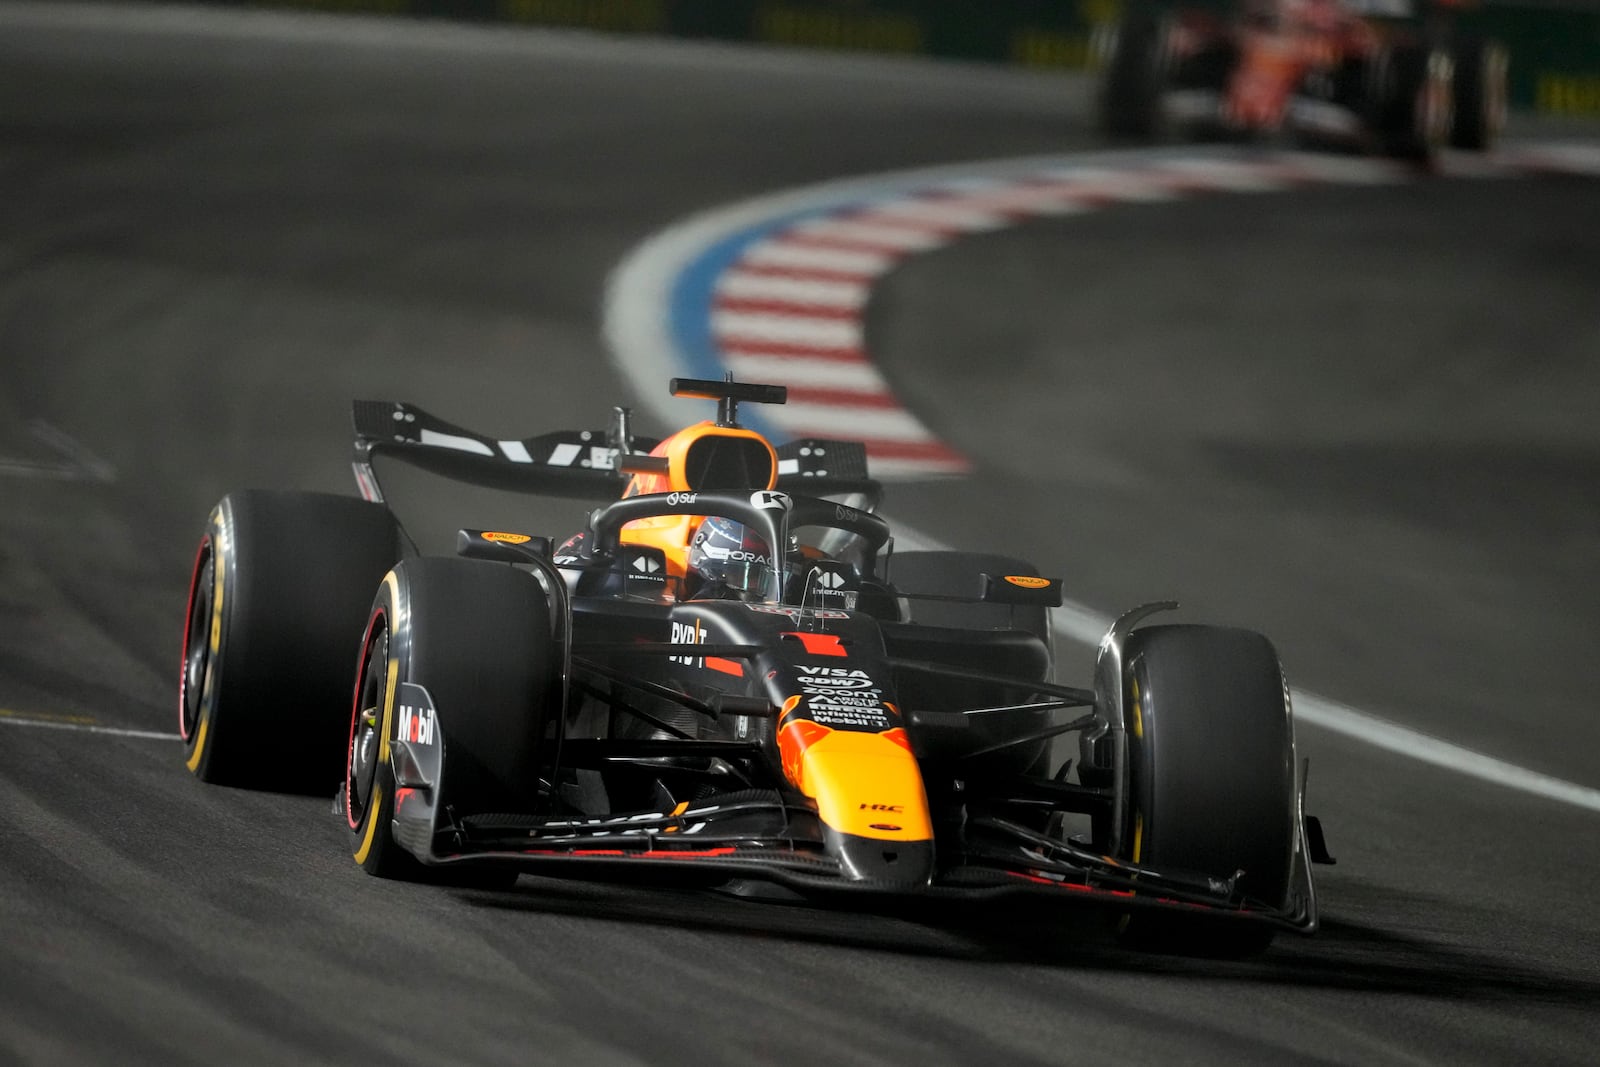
x=729 y=673
x=1360 y=73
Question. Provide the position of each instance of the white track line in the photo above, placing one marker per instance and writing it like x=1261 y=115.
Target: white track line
x=1425 y=748
x=87 y=728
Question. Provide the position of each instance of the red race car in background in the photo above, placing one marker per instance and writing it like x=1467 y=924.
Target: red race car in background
x=1366 y=74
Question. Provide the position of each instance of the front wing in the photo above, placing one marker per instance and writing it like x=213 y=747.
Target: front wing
x=774 y=836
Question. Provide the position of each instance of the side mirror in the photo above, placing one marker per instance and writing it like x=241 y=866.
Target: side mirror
x=1021 y=589
x=499 y=546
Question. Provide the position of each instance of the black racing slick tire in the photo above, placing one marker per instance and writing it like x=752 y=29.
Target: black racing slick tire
x=1211 y=777
x=1417 y=102
x=1480 y=94
x=277 y=597
x=477 y=637
x=1136 y=77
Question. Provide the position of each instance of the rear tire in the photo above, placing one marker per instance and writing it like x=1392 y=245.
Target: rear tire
x=279 y=589
x=1417 y=103
x=1480 y=94
x=477 y=637
x=1212 y=779
x=1135 y=80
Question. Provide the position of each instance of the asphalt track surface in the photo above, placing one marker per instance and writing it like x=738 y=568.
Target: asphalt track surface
x=1361 y=420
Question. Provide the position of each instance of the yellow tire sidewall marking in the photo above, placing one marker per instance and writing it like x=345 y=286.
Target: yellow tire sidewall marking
x=214 y=640
x=371 y=818
x=1138 y=731
x=1125 y=919
x=391 y=684
x=193 y=762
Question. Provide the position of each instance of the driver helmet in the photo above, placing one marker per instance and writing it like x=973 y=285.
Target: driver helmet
x=728 y=555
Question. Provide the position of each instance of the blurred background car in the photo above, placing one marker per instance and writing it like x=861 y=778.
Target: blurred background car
x=1376 y=75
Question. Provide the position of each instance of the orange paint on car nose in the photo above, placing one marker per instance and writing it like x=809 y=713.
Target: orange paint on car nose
x=865 y=784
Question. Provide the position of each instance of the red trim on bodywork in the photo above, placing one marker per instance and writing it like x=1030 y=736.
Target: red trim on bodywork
x=1076 y=887
x=653 y=854
x=726 y=666
x=819 y=644
x=1127 y=894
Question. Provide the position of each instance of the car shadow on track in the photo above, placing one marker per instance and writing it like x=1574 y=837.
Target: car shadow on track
x=1345 y=955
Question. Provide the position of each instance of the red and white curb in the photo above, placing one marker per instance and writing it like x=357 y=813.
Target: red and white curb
x=775 y=290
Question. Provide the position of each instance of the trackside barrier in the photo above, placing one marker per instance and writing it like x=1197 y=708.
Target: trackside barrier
x=1554 y=44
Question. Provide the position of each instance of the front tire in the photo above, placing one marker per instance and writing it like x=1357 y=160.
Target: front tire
x=477 y=637
x=277 y=596
x=1211 y=777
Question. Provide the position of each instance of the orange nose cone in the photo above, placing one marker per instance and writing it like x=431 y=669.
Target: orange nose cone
x=865 y=784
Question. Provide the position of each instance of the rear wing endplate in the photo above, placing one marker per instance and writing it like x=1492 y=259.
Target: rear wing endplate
x=817 y=467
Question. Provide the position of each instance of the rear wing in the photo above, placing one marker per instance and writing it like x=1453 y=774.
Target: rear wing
x=570 y=463
x=581 y=464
